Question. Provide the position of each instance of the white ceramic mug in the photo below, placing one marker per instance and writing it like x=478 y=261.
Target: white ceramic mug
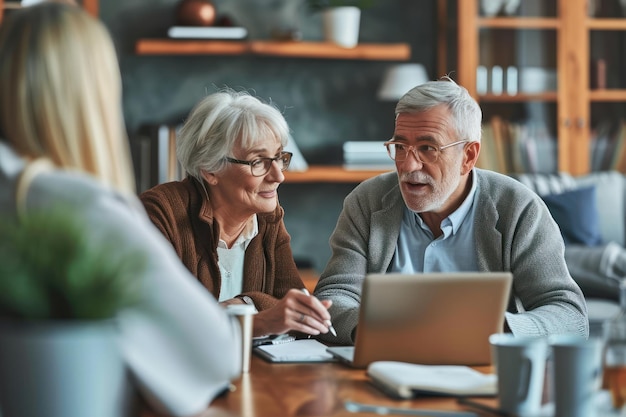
x=520 y=365
x=577 y=374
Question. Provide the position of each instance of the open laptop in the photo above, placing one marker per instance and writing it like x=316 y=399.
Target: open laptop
x=442 y=318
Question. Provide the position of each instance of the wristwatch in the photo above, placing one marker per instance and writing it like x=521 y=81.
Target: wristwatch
x=247 y=300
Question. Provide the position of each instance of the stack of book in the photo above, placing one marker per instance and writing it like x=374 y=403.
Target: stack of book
x=207 y=32
x=366 y=155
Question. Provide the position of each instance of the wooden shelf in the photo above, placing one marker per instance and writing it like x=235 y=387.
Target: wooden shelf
x=518 y=23
x=293 y=49
x=606 y=24
x=520 y=97
x=330 y=174
x=608 y=95
x=92 y=6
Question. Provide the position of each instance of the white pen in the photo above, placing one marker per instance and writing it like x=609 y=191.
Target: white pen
x=328 y=322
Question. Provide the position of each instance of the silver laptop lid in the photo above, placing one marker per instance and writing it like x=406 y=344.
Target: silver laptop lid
x=433 y=318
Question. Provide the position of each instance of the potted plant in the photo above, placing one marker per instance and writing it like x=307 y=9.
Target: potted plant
x=59 y=293
x=341 y=19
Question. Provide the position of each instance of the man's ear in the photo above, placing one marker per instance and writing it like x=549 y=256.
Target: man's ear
x=470 y=156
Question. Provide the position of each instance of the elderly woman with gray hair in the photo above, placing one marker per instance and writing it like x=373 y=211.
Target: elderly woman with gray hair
x=224 y=219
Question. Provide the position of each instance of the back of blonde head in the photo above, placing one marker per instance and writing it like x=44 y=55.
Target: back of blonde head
x=60 y=92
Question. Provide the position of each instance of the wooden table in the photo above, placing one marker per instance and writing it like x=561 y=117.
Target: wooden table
x=281 y=390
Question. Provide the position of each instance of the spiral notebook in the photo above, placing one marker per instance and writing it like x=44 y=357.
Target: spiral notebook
x=301 y=350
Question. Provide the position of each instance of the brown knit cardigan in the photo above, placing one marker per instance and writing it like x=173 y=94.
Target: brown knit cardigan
x=181 y=211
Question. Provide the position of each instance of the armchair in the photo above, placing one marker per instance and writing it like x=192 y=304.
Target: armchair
x=591 y=212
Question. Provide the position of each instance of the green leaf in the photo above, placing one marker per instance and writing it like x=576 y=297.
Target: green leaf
x=51 y=268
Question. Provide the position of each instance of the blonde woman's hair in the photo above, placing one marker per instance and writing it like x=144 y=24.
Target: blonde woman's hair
x=60 y=92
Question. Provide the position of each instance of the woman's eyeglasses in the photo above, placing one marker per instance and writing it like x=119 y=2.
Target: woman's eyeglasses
x=261 y=166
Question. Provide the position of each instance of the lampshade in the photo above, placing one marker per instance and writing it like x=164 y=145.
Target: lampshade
x=26 y=3
x=401 y=78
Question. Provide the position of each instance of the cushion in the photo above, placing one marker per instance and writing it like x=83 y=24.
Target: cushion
x=576 y=213
x=610 y=202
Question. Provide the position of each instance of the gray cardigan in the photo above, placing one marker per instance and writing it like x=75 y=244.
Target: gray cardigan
x=517 y=234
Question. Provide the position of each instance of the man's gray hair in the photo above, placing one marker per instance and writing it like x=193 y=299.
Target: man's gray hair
x=464 y=109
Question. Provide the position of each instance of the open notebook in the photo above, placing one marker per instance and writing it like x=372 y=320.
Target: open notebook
x=432 y=319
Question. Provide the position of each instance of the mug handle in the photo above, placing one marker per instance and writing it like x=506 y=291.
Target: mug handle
x=525 y=374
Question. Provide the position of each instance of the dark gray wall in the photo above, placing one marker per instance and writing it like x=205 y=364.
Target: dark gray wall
x=326 y=102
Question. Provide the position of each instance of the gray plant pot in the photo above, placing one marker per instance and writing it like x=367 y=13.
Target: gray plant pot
x=62 y=369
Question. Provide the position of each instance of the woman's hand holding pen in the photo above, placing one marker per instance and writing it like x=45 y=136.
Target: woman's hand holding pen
x=296 y=311
x=327 y=304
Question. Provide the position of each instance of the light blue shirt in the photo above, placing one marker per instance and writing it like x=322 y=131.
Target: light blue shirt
x=454 y=250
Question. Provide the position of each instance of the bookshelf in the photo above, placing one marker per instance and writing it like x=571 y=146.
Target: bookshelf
x=578 y=104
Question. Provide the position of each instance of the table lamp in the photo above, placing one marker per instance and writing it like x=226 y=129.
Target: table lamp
x=399 y=79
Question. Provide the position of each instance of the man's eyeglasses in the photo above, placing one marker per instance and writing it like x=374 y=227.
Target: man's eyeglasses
x=425 y=152
x=261 y=166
